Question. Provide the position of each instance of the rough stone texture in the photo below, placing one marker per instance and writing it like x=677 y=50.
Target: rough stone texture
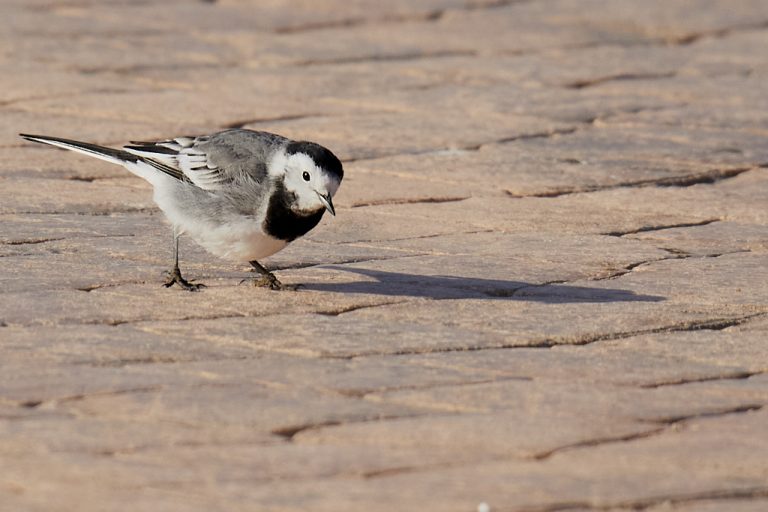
x=545 y=289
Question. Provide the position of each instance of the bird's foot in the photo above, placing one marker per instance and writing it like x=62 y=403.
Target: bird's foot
x=268 y=281
x=273 y=283
x=174 y=277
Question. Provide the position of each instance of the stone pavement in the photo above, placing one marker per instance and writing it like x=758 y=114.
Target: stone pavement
x=546 y=288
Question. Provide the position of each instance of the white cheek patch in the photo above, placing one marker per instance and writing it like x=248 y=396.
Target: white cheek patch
x=292 y=182
x=294 y=167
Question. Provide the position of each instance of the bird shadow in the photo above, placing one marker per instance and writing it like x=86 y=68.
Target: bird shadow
x=453 y=287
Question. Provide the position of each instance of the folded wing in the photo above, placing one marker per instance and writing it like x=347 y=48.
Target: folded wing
x=186 y=155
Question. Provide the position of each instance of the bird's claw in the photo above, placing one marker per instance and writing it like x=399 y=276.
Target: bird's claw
x=273 y=283
x=174 y=277
x=269 y=281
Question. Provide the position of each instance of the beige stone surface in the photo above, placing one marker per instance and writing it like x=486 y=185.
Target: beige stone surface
x=546 y=288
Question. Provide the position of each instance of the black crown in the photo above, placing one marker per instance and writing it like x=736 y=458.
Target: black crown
x=320 y=155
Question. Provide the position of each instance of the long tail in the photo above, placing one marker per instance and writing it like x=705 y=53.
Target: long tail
x=141 y=166
x=111 y=155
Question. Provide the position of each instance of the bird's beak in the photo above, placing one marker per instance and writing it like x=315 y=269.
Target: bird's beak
x=326 y=200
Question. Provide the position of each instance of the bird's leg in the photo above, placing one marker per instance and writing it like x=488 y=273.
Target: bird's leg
x=268 y=279
x=174 y=276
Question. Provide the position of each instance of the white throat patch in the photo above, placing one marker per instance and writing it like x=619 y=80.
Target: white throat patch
x=302 y=177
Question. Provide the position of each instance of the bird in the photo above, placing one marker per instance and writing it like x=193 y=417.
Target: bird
x=241 y=194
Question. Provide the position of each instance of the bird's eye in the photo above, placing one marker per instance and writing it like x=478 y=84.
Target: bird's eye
x=305 y=176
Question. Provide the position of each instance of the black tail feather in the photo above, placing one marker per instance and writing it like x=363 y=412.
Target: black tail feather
x=105 y=153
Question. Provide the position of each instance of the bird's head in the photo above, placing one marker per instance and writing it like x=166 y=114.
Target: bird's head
x=313 y=174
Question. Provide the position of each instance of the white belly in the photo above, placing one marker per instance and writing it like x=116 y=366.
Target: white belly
x=244 y=241
x=234 y=237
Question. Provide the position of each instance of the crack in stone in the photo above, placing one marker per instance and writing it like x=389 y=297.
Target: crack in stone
x=97 y=213
x=416 y=200
x=421 y=237
x=600 y=441
x=582 y=84
x=409 y=56
x=632 y=266
x=694 y=37
x=355 y=22
x=129 y=361
x=35 y=403
x=259 y=120
x=362 y=393
x=511 y=292
x=116 y=322
x=91 y=179
x=90 y=288
x=111 y=323
x=30 y=241
x=100 y=286
x=471 y=147
x=675 y=255
x=357 y=307
x=660 y=227
x=155 y=359
x=653 y=501
x=303 y=265
x=588 y=443
x=289 y=432
x=706 y=178
x=139 y=69
x=31 y=404
x=667 y=424
x=673 y=420
x=526 y=136
x=428 y=16
x=678 y=252
x=710 y=324
x=147 y=447
x=739 y=375
x=46 y=6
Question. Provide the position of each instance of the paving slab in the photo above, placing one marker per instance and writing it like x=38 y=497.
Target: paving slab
x=544 y=289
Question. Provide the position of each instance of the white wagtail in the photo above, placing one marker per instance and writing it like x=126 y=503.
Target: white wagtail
x=241 y=194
